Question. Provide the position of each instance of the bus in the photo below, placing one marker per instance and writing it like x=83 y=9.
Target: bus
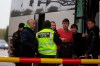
x=77 y=11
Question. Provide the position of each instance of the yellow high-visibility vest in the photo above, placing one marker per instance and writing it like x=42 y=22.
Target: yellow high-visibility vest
x=46 y=44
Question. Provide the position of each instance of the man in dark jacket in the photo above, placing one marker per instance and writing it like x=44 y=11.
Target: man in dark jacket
x=78 y=41
x=92 y=40
x=28 y=41
x=16 y=41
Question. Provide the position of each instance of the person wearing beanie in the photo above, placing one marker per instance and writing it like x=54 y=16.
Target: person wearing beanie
x=47 y=40
x=21 y=25
x=16 y=41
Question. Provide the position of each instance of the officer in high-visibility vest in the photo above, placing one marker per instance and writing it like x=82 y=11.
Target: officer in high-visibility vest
x=47 y=40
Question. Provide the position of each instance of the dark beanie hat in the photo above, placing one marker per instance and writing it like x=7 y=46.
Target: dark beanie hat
x=21 y=25
x=47 y=24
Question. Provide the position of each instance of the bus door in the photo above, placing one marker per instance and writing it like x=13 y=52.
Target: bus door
x=40 y=18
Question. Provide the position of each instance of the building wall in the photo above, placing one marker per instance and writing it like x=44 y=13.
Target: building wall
x=14 y=21
x=59 y=16
x=53 y=16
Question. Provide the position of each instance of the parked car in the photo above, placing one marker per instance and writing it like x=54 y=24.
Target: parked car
x=3 y=44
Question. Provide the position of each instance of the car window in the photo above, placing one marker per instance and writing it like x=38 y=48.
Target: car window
x=3 y=42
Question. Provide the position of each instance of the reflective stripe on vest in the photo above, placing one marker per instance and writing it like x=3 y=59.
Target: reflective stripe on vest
x=47 y=52
x=46 y=44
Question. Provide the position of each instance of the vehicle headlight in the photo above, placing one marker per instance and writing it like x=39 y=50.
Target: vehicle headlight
x=6 y=45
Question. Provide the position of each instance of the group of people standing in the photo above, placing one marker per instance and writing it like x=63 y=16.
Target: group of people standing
x=52 y=43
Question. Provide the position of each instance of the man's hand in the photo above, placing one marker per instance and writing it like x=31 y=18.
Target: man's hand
x=63 y=39
x=85 y=56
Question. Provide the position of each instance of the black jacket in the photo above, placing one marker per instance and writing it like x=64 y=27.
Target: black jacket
x=93 y=41
x=79 y=44
x=57 y=39
x=28 y=43
x=16 y=43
